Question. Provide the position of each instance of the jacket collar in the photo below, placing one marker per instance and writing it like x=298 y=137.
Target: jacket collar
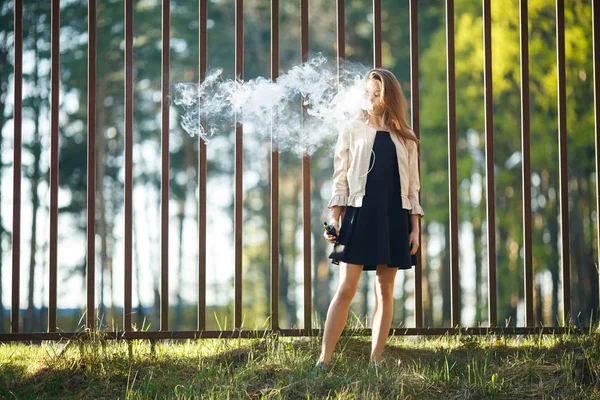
x=370 y=133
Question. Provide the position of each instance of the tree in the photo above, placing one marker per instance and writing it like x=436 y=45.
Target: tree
x=40 y=17
x=6 y=70
x=506 y=70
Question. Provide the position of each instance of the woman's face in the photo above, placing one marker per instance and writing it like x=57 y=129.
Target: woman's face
x=373 y=96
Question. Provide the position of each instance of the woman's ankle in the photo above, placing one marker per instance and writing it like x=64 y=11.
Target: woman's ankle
x=375 y=359
x=324 y=360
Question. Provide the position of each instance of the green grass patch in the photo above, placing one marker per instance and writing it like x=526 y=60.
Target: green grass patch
x=448 y=367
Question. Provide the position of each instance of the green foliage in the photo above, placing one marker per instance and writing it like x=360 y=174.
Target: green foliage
x=184 y=46
x=507 y=133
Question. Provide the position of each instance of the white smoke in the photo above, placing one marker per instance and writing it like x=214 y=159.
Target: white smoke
x=274 y=108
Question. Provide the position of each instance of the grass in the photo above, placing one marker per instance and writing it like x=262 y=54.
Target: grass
x=448 y=367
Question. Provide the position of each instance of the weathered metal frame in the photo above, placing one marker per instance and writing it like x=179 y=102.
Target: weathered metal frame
x=182 y=335
x=127 y=332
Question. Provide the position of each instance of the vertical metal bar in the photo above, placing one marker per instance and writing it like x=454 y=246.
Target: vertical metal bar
x=239 y=158
x=341 y=35
x=563 y=181
x=164 y=235
x=341 y=38
x=306 y=185
x=127 y=304
x=202 y=176
x=596 y=62
x=416 y=127
x=453 y=177
x=304 y=47
x=91 y=178
x=489 y=165
x=377 y=33
x=54 y=149
x=526 y=163
x=17 y=149
x=274 y=175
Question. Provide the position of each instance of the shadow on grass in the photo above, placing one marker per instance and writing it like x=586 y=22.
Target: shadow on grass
x=465 y=367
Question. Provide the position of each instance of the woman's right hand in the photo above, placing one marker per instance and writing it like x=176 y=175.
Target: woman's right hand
x=332 y=238
x=337 y=213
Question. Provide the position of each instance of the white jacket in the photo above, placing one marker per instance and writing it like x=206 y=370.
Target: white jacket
x=351 y=166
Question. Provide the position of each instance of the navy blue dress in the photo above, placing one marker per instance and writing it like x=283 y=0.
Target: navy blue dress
x=377 y=233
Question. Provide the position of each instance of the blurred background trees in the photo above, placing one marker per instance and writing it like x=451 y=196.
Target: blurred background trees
x=184 y=156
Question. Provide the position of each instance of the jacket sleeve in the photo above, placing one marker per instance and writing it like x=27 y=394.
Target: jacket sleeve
x=414 y=180
x=341 y=160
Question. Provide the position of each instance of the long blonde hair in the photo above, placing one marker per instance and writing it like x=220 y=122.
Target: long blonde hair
x=394 y=103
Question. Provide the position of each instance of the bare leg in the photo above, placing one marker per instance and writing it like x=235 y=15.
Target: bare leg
x=337 y=315
x=384 y=309
x=376 y=306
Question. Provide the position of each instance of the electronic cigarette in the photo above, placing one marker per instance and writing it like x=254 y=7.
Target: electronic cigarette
x=330 y=229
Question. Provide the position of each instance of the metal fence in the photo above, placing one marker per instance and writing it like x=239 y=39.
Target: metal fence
x=201 y=332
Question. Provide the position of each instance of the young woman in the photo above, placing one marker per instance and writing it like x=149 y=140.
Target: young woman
x=375 y=195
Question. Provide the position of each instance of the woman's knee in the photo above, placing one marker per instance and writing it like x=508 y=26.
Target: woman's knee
x=349 y=278
x=384 y=289
x=346 y=291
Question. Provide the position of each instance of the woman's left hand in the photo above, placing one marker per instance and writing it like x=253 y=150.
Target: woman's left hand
x=413 y=242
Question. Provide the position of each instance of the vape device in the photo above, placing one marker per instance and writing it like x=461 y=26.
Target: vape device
x=330 y=229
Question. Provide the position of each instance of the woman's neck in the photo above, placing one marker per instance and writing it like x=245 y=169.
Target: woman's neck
x=376 y=121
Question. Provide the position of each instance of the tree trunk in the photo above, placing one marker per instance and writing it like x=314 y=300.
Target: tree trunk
x=110 y=246
x=154 y=238
x=101 y=206
x=1 y=222
x=3 y=90
x=286 y=290
x=581 y=262
x=539 y=305
x=188 y=166
x=1 y=248
x=136 y=255
x=551 y=213
x=320 y=260
x=425 y=284
x=592 y=254
x=288 y=262
x=264 y=190
x=576 y=257
x=445 y=280
x=284 y=286
x=478 y=248
x=553 y=266
x=29 y=321
x=43 y=312
x=403 y=298
x=179 y=307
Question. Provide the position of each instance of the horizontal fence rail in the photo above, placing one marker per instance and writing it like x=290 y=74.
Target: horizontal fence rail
x=165 y=332
x=250 y=334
